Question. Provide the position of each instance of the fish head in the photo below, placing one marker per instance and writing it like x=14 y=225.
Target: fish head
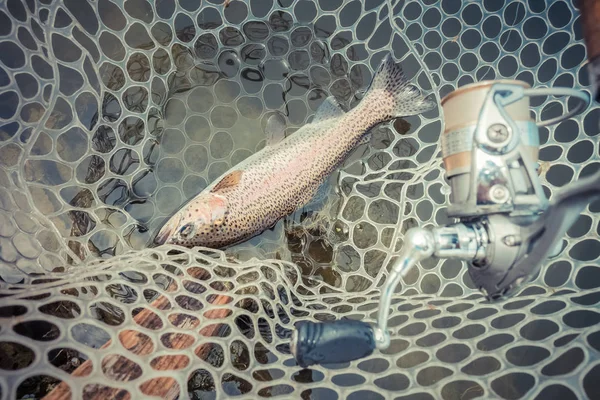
x=199 y=218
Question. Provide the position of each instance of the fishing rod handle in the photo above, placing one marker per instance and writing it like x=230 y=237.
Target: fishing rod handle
x=332 y=342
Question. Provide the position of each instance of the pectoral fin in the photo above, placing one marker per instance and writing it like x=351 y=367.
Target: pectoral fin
x=229 y=181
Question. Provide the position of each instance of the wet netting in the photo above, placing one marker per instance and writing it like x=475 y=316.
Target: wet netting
x=114 y=113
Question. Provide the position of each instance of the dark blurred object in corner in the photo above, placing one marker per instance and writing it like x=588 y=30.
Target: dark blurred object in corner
x=590 y=15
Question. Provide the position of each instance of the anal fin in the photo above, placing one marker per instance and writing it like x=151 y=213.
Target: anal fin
x=329 y=109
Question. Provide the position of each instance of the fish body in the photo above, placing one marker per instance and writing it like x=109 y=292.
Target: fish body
x=285 y=176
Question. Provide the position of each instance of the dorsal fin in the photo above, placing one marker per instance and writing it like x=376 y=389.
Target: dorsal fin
x=229 y=181
x=275 y=129
x=329 y=109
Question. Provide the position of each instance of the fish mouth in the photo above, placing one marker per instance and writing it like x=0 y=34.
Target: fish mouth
x=166 y=232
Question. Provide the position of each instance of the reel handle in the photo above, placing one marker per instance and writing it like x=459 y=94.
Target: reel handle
x=331 y=342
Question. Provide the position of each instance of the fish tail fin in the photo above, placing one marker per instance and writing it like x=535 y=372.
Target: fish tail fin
x=391 y=95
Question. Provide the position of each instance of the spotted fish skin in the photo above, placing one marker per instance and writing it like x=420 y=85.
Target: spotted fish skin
x=285 y=176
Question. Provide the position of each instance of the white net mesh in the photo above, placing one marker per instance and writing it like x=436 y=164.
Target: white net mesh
x=114 y=113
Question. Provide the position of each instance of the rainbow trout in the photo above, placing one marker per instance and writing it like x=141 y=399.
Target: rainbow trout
x=284 y=176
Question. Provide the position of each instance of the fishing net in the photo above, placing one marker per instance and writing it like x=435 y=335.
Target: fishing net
x=113 y=113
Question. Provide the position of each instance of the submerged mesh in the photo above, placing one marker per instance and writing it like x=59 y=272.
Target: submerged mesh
x=114 y=113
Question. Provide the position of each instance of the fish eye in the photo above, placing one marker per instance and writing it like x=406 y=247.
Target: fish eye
x=187 y=230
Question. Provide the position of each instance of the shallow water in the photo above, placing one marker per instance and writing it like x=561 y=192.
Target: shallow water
x=111 y=116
